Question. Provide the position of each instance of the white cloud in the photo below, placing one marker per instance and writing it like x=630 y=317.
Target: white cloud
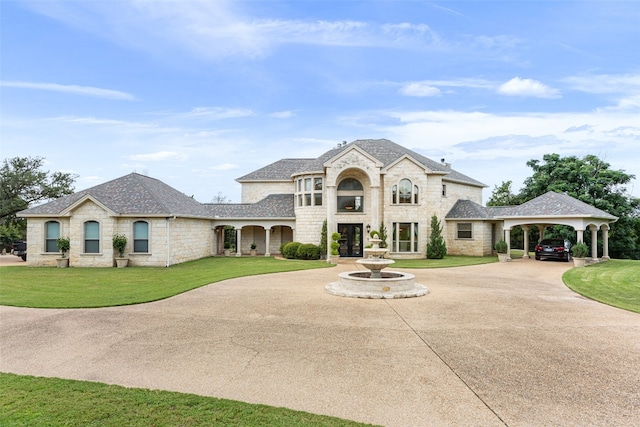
x=282 y=114
x=72 y=89
x=158 y=156
x=419 y=89
x=527 y=87
x=605 y=83
x=218 y=112
x=224 y=167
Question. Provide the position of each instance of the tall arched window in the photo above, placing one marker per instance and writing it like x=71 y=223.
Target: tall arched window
x=52 y=233
x=350 y=196
x=92 y=237
x=141 y=236
x=404 y=193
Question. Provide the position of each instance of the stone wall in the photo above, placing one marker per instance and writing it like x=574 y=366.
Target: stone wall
x=253 y=192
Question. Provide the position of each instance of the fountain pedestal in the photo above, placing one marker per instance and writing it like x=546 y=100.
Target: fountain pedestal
x=375 y=283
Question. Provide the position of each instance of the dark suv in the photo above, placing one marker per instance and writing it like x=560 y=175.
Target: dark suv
x=554 y=248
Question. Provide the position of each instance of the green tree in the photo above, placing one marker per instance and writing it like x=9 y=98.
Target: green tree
x=503 y=196
x=24 y=183
x=323 y=239
x=592 y=181
x=383 y=235
x=436 y=248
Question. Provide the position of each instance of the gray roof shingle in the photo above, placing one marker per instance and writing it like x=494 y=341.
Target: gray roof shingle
x=132 y=194
x=383 y=150
x=272 y=206
x=548 y=204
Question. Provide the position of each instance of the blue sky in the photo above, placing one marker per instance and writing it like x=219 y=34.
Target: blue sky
x=198 y=93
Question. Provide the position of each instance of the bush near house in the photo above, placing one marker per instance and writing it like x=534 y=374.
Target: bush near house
x=308 y=251
x=289 y=250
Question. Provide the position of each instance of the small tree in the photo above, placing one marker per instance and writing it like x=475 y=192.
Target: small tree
x=501 y=247
x=63 y=244
x=383 y=235
x=436 y=248
x=580 y=250
x=335 y=244
x=323 y=239
x=119 y=244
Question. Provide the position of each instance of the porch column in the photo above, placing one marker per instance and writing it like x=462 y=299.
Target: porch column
x=541 y=228
x=267 y=239
x=605 y=243
x=507 y=238
x=375 y=204
x=594 y=243
x=332 y=207
x=525 y=229
x=238 y=241
x=580 y=236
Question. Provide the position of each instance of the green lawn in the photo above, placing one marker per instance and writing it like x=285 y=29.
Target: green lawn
x=615 y=282
x=46 y=287
x=31 y=401
x=447 y=261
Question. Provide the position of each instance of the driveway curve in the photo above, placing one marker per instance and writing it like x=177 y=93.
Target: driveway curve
x=494 y=344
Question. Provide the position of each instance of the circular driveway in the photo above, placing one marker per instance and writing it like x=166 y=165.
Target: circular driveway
x=494 y=344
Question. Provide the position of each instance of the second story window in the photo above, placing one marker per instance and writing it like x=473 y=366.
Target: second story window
x=404 y=193
x=309 y=191
x=350 y=196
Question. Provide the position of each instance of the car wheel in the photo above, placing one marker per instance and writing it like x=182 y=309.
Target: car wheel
x=537 y=258
x=24 y=257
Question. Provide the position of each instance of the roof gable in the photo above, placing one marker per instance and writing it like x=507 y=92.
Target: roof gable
x=132 y=194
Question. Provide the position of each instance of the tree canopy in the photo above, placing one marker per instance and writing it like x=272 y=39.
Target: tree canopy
x=588 y=179
x=23 y=183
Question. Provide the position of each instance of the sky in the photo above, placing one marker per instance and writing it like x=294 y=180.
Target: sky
x=199 y=93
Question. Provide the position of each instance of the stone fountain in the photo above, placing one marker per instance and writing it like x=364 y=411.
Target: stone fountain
x=375 y=283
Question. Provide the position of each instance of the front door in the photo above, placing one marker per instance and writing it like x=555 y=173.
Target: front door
x=350 y=240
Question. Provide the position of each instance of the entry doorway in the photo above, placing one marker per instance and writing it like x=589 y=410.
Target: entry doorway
x=350 y=240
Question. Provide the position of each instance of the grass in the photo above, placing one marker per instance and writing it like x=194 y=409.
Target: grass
x=30 y=401
x=46 y=287
x=615 y=282
x=447 y=261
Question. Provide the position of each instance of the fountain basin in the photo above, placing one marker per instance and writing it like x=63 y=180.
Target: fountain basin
x=391 y=284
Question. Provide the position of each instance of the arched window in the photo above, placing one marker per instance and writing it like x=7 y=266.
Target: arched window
x=350 y=196
x=404 y=193
x=141 y=236
x=92 y=237
x=52 y=233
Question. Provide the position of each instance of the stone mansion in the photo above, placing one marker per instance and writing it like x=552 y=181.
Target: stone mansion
x=355 y=187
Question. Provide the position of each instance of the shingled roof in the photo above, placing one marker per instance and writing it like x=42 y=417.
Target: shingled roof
x=272 y=206
x=132 y=194
x=548 y=204
x=383 y=150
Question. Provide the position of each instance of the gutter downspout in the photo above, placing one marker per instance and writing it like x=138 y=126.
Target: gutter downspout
x=169 y=219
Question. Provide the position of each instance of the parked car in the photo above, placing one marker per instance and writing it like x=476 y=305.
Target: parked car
x=554 y=248
x=19 y=248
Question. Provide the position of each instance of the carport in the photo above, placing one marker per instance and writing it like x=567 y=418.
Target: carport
x=556 y=208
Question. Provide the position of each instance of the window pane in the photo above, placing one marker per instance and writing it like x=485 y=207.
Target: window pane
x=51 y=246
x=140 y=246
x=464 y=230
x=404 y=237
x=415 y=194
x=317 y=184
x=140 y=230
x=53 y=229
x=394 y=194
x=91 y=246
x=91 y=230
x=350 y=203
x=405 y=191
x=299 y=199
x=415 y=237
x=307 y=184
x=318 y=199
x=350 y=184
x=307 y=199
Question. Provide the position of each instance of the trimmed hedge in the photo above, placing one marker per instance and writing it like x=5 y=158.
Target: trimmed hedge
x=297 y=250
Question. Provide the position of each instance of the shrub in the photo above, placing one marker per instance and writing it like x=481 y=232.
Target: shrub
x=335 y=244
x=374 y=234
x=500 y=247
x=119 y=243
x=290 y=249
x=308 y=251
x=580 y=250
x=63 y=245
x=323 y=239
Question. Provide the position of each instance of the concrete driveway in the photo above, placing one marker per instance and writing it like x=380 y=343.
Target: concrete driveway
x=497 y=344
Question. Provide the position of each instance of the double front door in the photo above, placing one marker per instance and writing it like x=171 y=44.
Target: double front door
x=350 y=240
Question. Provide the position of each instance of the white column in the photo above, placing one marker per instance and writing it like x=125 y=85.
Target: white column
x=580 y=236
x=332 y=207
x=375 y=206
x=507 y=238
x=541 y=228
x=594 y=243
x=525 y=229
x=239 y=241
x=267 y=239
x=605 y=243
